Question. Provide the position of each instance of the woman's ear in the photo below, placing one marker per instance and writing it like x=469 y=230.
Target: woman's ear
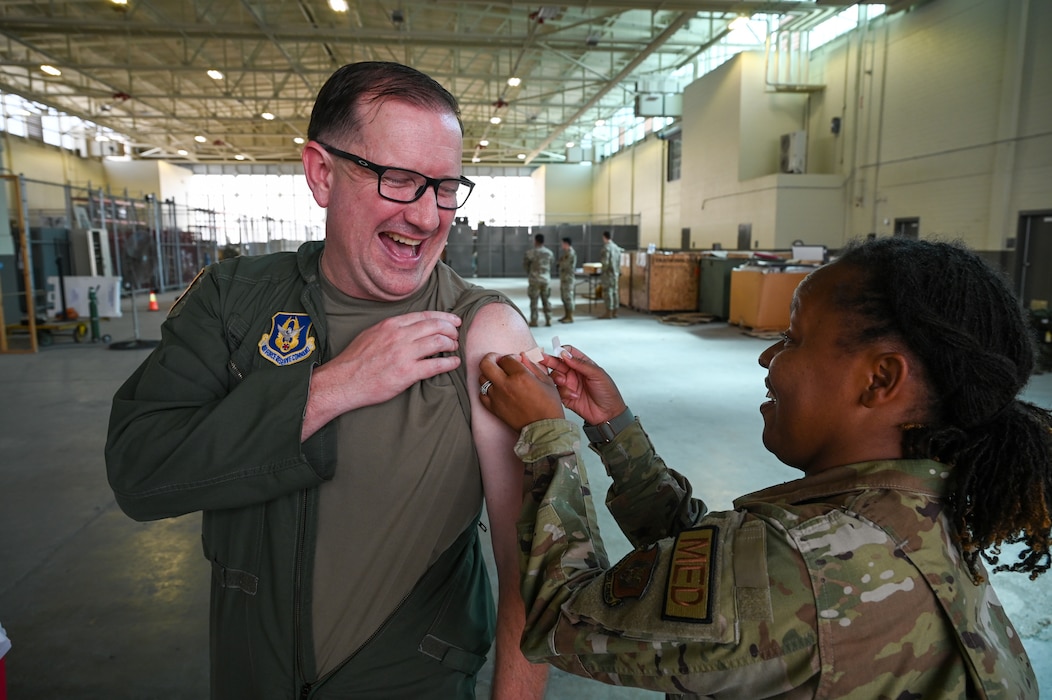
x=317 y=166
x=890 y=380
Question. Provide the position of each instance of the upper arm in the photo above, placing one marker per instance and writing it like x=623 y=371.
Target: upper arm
x=497 y=328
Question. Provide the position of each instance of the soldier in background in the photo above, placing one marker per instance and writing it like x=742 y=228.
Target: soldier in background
x=538 y=265
x=895 y=390
x=567 y=268
x=610 y=257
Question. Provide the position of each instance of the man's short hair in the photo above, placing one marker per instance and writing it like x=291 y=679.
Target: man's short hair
x=337 y=107
x=539 y=238
x=567 y=240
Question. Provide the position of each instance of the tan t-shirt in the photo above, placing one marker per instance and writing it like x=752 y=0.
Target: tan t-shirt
x=407 y=481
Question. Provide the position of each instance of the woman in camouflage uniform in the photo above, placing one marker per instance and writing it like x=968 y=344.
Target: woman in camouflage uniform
x=894 y=390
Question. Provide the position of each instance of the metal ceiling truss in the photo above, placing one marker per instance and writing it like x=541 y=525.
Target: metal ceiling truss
x=140 y=69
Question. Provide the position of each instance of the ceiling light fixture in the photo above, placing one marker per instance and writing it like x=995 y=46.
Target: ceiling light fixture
x=484 y=142
x=298 y=140
x=268 y=116
x=494 y=120
x=215 y=75
x=338 y=5
x=476 y=159
x=182 y=151
x=200 y=139
x=514 y=82
x=600 y=122
x=239 y=157
x=50 y=70
x=521 y=156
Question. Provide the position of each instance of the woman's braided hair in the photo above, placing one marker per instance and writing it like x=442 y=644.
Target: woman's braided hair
x=959 y=317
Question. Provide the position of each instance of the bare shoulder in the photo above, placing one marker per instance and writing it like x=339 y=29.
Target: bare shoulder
x=497 y=328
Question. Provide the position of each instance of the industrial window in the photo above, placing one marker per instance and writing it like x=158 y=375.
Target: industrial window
x=675 y=156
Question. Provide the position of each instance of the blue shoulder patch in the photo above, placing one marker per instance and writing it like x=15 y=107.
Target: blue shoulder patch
x=289 y=339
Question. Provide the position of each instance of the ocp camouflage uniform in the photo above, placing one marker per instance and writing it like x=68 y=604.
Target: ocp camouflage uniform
x=840 y=584
x=538 y=265
x=567 y=268
x=610 y=257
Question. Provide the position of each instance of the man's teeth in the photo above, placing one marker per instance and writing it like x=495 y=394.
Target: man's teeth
x=403 y=240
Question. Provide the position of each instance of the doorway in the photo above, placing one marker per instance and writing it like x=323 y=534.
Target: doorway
x=910 y=228
x=1034 y=270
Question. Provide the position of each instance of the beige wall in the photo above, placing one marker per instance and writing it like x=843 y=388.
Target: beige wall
x=946 y=115
x=46 y=164
x=566 y=191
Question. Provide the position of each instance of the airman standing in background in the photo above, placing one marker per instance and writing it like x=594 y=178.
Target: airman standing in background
x=567 y=267
x=610 y=257
x=538 y=264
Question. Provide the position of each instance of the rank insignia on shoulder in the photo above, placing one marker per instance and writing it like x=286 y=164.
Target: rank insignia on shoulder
x=630 y=577
x=289 y=339
x=691 y=570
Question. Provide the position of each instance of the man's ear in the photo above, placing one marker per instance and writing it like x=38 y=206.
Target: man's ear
x=317 y=166
x=890 y=378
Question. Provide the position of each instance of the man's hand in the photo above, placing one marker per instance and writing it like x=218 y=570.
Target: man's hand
x=382 y=362
x=584 y=387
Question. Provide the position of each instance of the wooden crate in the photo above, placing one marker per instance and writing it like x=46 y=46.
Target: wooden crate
x=664 y=281
x=760 y=298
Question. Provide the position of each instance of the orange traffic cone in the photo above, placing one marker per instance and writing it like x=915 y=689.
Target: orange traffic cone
x=153 y=302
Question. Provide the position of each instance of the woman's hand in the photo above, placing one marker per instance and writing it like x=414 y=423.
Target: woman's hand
x=584 y=387
x=518 y=391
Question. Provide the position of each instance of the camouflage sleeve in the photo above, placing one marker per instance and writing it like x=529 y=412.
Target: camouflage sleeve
x=648 y=500
x=702 y=613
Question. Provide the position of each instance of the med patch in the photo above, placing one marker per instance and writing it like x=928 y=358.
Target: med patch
x=630 y=577
x=288 y=340
x=692 y=568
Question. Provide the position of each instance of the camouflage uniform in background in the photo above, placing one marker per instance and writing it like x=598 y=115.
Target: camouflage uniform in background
x=841 y=584
x=567 y=268
x=610 y=257
x=538 y=265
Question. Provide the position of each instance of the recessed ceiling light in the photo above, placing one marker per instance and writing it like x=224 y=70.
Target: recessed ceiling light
x=484 y=142
x=338 y=5
x=268 y=116
x=182 y=151
x=200 y=139
x=476 y=159
x=298 y=140
x=50 y=70
x=494 y=120
x=239 y=157
x=569 y=144
x=122 y=3
x=215 y=75
x=514 y=82
x=521 y=156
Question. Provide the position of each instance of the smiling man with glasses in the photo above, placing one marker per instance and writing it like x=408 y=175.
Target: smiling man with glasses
x=322 y=409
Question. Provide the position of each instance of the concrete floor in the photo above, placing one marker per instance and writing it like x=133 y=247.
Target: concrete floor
x=99 y=606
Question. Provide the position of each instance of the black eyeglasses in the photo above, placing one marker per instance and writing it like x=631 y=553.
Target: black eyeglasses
x=405 y=186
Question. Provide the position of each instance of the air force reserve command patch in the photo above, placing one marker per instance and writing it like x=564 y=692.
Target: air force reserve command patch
x=691 y=569
x=630 y=577
x=289 y=339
